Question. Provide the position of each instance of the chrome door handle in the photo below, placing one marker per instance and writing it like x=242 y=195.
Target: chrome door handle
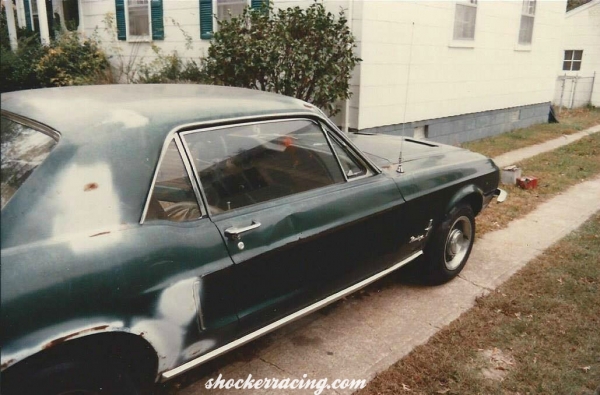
x=234 y=233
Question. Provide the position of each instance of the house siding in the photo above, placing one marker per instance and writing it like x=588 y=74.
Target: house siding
x=411 y=70
x=581 y=32
x=467 y=127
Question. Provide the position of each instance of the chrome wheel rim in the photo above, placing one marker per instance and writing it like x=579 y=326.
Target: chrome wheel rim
x=457 y=242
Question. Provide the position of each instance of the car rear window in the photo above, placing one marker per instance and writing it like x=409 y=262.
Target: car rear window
x=23 y=149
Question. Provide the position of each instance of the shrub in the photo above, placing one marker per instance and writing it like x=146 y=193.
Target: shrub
x=168 y=68
x=67 y=61
x=305 y=53
x=72 y=61
x=17 y=69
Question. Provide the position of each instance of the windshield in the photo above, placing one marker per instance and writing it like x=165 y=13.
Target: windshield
x=23 y=149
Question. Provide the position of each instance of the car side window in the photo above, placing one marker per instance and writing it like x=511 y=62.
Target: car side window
x=243 y=165
x=173 y=197
x=353 y=167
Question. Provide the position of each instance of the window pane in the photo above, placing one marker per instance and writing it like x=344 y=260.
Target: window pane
x=226 y=9
x=23 y=150
x=526 y=31
x=568 y=55
x=139 y=22
x=576 y=66
x=464 y=22
x=529 y=7
x=173 y=197
x=566 y=65
x=577 y=55
x=352 y=167
x=249 y=164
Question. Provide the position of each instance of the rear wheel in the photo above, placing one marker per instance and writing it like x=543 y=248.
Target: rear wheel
x=73 y=377
x=450 y=246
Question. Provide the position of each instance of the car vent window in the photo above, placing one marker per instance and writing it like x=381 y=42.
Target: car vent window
x=253 y=163
x=351 y=165
x=23 y=150
x=173 y=197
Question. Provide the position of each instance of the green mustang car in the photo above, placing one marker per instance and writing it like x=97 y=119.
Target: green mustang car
x=147 y=229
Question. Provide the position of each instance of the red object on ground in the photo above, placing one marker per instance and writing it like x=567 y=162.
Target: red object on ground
x=527 y=182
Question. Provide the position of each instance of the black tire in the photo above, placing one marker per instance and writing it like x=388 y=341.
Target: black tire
x=73 y=377
x=449 y=248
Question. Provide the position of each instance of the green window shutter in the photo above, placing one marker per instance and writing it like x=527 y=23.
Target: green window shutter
x=121 y=25
x=27 y=15
x=206 y=19
x=156 y=14
x=258 y=4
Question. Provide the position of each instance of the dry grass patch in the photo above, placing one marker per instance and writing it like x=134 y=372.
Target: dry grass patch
x=557 y=170
x=571 y=121
x=537 y=334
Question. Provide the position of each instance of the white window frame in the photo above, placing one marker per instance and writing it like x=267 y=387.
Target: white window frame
x=528 y=9
x=469 y=3
x=132 y=38
x=215 y=7
x=572 y=59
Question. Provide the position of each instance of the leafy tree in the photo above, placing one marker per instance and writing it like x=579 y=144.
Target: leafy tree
x=305 y=53
x=571 y=4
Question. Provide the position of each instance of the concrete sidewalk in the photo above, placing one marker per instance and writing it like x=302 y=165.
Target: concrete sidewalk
x=515 y=156
x=366 y=333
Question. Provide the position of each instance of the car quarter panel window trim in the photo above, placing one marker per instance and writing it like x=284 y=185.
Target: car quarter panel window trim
x=173 y=137
x=191 y=175
x=40 y=127
x=331 y=135
x=332 y=148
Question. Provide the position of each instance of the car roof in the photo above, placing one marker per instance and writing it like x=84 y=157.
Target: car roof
x=111 y=136
x=82 y=110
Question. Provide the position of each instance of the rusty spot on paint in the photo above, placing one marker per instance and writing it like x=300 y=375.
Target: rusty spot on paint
x=74 y=334
x=101 y=233
x=90 y=187
x=7 y=364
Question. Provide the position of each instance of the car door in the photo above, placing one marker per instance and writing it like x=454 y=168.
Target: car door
x=296 y=225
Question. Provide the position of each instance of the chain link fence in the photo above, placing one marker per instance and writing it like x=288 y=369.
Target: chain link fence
x=573 y=91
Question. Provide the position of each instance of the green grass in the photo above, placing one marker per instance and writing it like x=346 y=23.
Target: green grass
x=571 y=121
x=556 y=170
x=541 y=328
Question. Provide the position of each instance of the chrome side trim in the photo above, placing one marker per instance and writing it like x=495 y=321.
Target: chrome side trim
x=196 y=290
x=250 y=122
x=190 y=173
x=294 y=316
x=40 y=127
x=335 y=154
x=163 y=153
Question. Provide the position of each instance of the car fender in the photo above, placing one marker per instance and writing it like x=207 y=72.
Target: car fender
x=469 y=191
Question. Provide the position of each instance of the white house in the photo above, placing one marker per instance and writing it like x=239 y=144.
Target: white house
x=578 y=82
x=447 y=70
